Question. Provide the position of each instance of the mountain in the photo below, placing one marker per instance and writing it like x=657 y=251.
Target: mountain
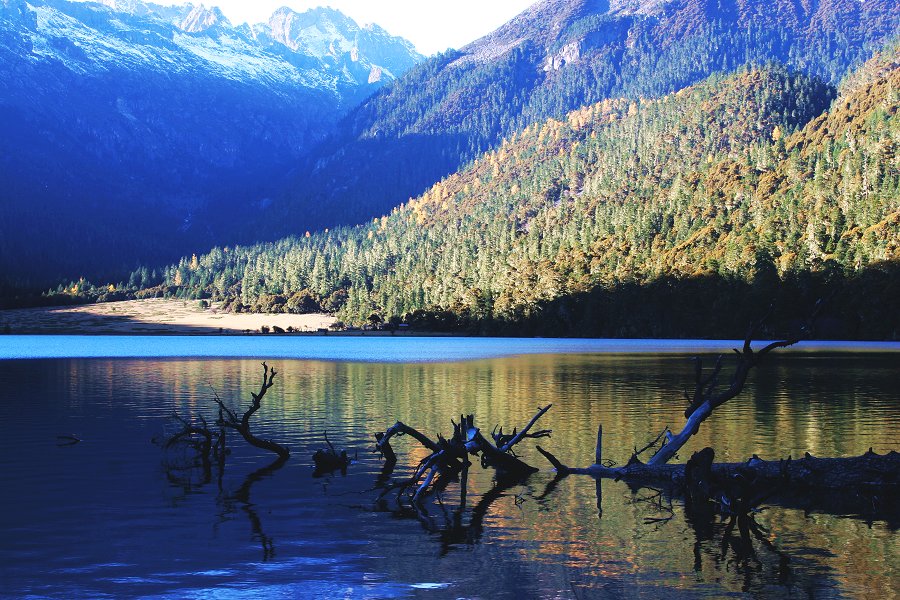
x=684 y=215
x=133 y=132
x=553 y=58
x=363 y=55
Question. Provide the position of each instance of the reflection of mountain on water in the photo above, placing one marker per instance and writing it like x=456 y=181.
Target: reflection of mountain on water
x=85 y=504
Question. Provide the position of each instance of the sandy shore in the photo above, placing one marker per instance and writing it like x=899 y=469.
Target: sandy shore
x=154 y=316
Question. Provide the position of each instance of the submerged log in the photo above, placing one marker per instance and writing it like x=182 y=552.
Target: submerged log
x=328 y=460
x=870 y=471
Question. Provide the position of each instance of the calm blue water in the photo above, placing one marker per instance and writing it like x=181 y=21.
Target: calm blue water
x=116 y=516
x=400 y=349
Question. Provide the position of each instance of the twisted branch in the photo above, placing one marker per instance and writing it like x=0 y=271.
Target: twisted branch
x=228 y=418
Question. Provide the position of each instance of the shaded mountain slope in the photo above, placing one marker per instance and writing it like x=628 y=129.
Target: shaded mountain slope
x=131 y=133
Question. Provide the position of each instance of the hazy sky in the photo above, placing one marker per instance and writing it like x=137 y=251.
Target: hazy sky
x=431 y=25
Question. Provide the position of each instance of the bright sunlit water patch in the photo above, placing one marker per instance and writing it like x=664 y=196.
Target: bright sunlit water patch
x=109 y=517
x=365 y=348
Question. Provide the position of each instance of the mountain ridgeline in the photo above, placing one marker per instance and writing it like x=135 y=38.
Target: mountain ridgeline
x=681 y=215
x=132 y=132
x=556 y=57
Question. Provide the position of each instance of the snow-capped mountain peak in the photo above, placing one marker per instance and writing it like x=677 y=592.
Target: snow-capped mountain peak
x=201 y=18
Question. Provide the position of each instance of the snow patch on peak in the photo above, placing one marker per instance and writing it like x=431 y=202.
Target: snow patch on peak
x=319 y=32
x=321 y=49
x=201 y=18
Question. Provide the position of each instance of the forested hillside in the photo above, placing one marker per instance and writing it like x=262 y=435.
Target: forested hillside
x=684 y=215
x=137 y=133
x=556 y=57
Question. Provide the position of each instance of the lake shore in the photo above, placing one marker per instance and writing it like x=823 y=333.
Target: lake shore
x=151 y=316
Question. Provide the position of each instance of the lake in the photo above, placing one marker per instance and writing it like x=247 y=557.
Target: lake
x=117 y=516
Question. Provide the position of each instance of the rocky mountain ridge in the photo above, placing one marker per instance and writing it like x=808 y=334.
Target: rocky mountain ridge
x=153 y=129
x=319 y=48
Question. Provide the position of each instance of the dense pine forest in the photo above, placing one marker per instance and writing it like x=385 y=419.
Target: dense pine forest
x=682 y=215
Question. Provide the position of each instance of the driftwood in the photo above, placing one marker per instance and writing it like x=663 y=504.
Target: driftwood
x=328 y=460
x=448 y=461
x=740 y=487
x=208 y=449
x=869 y=471
x=208 y=444
x=228 y=418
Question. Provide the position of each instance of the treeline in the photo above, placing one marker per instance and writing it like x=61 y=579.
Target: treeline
x=725 y=195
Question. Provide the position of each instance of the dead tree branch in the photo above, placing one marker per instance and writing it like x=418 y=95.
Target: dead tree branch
x=743 y=486
x=448 y=461
x=505 y=444
x=707 y=397
x=198 y=437
x=228 y=418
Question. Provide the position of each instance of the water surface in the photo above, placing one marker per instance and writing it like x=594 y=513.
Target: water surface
x=115 y=516
x=370 y=348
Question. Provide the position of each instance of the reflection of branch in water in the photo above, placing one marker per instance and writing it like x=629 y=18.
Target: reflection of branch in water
x=242 y=495
x=548 y=490
x=189 y=472
x=599 y=483
x=455 y=532
x=656 y=501
x=701 y=514
x=449 y=522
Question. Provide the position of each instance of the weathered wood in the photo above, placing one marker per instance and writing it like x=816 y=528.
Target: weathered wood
x=400 y=428
x=228 y=418
x=448 y=459
x=870 y=471
x=706 y=398
x=491 y=456
x=507 y=445
x=197 y=436
x=329 y=459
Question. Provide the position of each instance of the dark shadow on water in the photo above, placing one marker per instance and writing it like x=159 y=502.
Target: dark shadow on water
x=192 y=477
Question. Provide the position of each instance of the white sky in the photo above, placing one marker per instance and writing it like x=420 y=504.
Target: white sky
x=431 y=25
